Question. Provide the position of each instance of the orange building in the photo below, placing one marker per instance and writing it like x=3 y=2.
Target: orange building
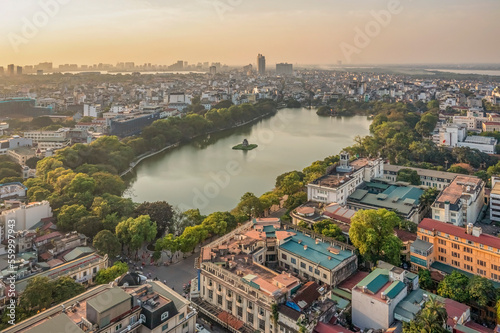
x=445 y=247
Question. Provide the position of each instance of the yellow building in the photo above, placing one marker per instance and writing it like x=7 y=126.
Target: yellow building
x=445 y=247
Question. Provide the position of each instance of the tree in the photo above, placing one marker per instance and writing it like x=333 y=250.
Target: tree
x=431 y=319
x=191 y=237
x=160 y=212
x=291 y=183
x=65 y=288
x=372 y=232
x=134 y=232
x=319 y=226
x=408 y=175
x=458 y=169
x=89 y=226
x=250 y=205
x=106 y=242
x=32 y=162
x=194 y=216
x=429 y=196
x=169 y=243
x=335 y=232
x=108 y=183
x=425 y=281
x=38 y=293
x=68 y=215
x=109 y=274
x=481 y=291
x=219 y=223
x=454 y=286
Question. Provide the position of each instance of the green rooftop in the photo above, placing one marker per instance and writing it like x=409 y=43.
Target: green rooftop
x=108 y=299
x=394 y=289
x=375 y=280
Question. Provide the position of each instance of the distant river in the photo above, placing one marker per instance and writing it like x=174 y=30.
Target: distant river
x=207 y=174
x=469 y=71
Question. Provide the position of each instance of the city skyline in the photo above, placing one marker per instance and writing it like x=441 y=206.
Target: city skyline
x=317 y=33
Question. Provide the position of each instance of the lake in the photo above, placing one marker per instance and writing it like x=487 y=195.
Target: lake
x=207 y=174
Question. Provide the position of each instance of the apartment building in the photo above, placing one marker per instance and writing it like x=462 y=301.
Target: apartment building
x=38 y=136
x=343 y=179
x=445 y=247
x=259 y=265
x=495 y=199
x=461 y=202
x=25 y=215
x=402 y=199
x=431 y=178
x=148 y=308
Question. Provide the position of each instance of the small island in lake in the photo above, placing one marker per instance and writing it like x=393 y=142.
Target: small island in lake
x=245 y=146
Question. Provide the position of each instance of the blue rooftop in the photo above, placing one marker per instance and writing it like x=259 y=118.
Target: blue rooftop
x=317 y=253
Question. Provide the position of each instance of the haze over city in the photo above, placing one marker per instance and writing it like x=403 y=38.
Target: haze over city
x=232 y=32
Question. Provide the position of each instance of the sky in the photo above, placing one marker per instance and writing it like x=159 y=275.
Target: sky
x=235 y=31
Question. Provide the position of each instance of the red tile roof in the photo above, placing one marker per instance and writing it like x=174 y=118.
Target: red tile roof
x=353 y=280
x=230 y=320
x=453 y=230
x=48 y=236
x=477 y=327
x=454 y=309
x=308 y=293
x=405 y=235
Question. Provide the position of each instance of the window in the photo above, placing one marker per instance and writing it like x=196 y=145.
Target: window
x=480 y=271
x=261 y=311
x=250 y=318
x=324 y=276
x=467 y=249
x=468 y=267
x=316 y=271
x=230 y=306
x=441 y=241
x=94 y=271
x=481 y=263
x=164 y=316
x=302 y=265
x=495 y=267
x=455 y=263
x=455 y=254
x=467 y=258
x=239 y=310
x=310 y=268
x=494 y=276
x=164 y=327
x=262 y=324
x=441 y=258
x=441 y=250
x=211 y=294
x=293 y=260
x=456 y=238
x=118 y=327
x=283 y=256
x=181 y=316
x=250 y=305
x=228 y=293
x=455 y=246
x=219 y=299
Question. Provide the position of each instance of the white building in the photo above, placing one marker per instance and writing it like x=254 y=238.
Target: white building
x=25 y=216
x=449 y=135
x=14 y=142
x=37 y=136
x=348 y=176
x=473 y=120
x=375 y=298
x=91 y=110
x=484 y=144
x=495 y=199
x=461 y=202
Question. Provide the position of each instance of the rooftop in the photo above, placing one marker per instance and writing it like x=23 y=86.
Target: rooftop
x=461 y=185
x=484 y=140
x=452 y=230
x=421 y=172
x=401 y=198
x=58 y=324
x=108 y=299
